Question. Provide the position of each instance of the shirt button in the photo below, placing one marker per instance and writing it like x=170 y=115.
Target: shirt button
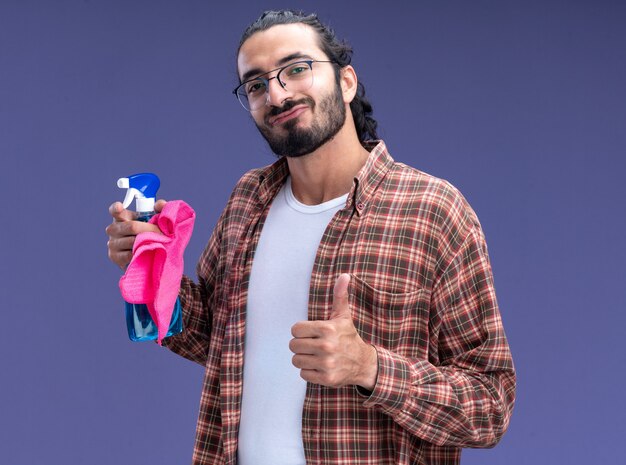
x=360 y=206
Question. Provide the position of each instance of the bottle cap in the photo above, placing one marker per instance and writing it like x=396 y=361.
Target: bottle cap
x=143 y=187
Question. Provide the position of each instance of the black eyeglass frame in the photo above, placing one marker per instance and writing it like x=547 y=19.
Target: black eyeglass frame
x=266 y=81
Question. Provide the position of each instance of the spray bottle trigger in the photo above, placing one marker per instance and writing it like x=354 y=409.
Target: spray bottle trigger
x=131 y=193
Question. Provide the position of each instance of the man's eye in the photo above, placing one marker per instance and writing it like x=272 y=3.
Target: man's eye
x=255 y=87
x=297 y=70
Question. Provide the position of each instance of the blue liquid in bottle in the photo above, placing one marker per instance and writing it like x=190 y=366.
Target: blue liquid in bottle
x=140 y=325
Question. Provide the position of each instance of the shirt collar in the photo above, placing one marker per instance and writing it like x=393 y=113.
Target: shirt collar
x=271 y=179
x=379 y=162
x=370 y=176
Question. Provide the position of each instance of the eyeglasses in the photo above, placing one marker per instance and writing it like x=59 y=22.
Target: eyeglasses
x=294 y=77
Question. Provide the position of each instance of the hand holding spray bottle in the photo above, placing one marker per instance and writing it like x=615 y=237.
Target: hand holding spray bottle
x=141 y=327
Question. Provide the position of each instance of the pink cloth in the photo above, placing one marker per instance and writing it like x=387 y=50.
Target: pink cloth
x=154 y=273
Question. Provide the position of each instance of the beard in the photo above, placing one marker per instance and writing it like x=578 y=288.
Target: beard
x=298 y=142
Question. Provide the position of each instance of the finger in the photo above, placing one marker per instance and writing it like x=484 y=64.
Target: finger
x=341 y=307
x=303 y=345
x=119 y=213
x=311 y=376
x=120 y=250
x=121 y=244
x=305 y=362
x=158 y=206
x=122 y=229
x=321 y=377
x=121 y=259
x=311 y=329
x=129 y=228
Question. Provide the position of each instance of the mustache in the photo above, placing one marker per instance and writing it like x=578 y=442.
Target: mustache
x=275 y=111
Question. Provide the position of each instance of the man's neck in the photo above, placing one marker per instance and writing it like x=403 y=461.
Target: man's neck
x=328 y=172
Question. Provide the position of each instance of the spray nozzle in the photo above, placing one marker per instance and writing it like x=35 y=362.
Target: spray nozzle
x=143 y=187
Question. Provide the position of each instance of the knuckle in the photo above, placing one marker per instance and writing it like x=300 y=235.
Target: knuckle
x=328 y=329
x=326 y=347
x=113 y=244
x=328 y=364
x=132 y=227
x=110 y=229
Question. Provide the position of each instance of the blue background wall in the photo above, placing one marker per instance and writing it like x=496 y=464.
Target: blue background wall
x=522 y=105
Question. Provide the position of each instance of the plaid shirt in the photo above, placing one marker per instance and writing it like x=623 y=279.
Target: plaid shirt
x=421 y=293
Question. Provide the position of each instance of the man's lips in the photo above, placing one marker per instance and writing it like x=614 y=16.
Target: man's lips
x=287 y=115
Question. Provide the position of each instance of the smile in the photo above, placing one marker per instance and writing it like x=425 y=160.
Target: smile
x=287 y=115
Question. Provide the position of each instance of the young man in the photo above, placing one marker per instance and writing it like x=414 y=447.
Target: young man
x=345 y=311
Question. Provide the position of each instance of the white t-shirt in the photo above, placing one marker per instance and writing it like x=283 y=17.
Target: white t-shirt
x=270 y=432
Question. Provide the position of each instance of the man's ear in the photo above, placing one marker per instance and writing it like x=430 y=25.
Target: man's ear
x=349 y=83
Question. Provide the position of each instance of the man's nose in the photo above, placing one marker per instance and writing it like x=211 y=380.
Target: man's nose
x=276 y=94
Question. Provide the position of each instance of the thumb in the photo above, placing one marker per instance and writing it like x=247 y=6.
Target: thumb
x=119 y=213
x=341 y=307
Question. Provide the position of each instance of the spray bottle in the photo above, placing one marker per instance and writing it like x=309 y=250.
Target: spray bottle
x=141 y=327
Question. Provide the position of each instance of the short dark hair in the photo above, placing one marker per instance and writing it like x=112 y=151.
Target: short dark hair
x=337 y=51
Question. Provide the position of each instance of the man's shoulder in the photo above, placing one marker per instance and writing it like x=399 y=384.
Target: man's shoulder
x=413 y=180
x=435 y=197
x=249 y=181
x=400 y=180
x=258 y=184
x=252 y=180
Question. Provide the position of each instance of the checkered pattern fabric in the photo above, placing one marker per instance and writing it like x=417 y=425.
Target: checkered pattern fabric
x=421 y=293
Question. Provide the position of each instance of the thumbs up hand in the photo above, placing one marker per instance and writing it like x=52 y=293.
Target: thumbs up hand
x=331 y=352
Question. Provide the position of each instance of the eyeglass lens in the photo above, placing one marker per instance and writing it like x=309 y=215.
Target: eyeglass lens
x=295 y=77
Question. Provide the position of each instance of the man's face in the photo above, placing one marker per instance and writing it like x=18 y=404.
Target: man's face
x=293 y=124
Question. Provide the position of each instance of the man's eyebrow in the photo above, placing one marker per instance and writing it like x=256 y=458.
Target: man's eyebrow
x=292 y=57
x=286 y=59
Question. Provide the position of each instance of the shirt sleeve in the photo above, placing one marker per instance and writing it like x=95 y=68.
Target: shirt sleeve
x=196 y=302
x=464 y=395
